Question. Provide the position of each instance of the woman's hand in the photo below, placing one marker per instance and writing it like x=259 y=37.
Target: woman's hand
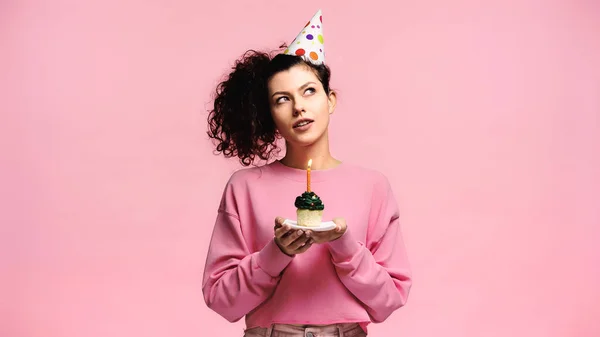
x=290 y=241
x=331 y=235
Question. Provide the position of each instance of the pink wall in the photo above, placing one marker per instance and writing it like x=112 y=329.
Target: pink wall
x=485 y=117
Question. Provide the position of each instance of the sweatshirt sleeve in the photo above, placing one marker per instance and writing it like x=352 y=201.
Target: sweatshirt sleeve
x=237 y=280
x=376 y=272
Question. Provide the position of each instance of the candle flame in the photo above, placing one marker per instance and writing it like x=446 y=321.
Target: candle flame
x=309 y=163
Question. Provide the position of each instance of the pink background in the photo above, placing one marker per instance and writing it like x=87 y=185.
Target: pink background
x=485 y=117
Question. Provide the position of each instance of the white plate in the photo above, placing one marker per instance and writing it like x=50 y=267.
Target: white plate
x=325 y=226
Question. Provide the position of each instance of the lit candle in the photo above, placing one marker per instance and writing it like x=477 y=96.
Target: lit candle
x=308 y=176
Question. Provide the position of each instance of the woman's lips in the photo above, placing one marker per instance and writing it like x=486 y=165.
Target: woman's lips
x=303 y=125
x=303 y=122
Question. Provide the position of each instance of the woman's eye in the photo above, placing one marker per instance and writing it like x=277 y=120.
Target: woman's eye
x=280 y=99
x=310 y=90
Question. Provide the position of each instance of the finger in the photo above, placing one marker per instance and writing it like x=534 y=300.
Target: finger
x=279 y=222
x=292 y=236
x=317 y=236
x=278 y=226
x=340 y=223
x=282 y=231
x=299 y=242
x=304 y=247
x=286 y=241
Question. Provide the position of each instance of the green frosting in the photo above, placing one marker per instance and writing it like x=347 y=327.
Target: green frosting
x=309 y=200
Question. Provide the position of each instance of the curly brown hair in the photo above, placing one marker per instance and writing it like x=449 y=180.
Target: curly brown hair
x=240 y=122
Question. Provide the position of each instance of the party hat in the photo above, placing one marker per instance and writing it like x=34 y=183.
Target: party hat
x=309 y=42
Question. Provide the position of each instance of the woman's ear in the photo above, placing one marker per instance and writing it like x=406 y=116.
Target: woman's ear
x=332 y=101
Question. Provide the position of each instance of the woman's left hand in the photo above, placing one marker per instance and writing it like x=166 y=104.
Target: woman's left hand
x=330 y=235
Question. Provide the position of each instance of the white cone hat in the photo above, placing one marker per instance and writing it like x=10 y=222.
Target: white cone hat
x=309 y=42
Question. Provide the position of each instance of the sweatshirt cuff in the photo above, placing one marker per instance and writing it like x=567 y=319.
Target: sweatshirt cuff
x=344 y=248
x=272 y=260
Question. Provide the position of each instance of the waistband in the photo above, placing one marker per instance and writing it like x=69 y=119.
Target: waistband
x=341 y=330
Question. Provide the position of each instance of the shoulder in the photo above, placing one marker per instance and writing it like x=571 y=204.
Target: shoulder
x=366 y=174
x=237 y=187
x=251 y=176
x=244 y=175
x=370 y=181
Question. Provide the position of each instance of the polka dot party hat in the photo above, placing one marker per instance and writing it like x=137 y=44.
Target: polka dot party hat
x=309 y=42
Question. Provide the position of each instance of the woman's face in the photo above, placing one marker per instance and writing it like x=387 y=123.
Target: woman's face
x=299 y=105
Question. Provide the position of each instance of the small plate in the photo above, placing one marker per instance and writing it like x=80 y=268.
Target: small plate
x=325 y=226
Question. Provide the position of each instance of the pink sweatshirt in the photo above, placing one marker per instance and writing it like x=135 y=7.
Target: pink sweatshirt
x=361 y=277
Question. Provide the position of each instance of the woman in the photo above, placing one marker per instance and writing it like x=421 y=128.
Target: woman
x=298 y=282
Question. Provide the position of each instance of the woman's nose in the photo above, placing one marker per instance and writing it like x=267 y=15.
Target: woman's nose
x=298 y=109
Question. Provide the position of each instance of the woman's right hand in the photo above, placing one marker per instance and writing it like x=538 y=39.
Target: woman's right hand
x=291 y=241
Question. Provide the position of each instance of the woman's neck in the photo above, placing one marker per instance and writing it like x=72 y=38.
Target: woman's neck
x=298 y=157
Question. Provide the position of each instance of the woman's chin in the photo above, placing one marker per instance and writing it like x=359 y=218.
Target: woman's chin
x=303 y=140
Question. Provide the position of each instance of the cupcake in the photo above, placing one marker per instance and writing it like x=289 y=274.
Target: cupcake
x=309 y=210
